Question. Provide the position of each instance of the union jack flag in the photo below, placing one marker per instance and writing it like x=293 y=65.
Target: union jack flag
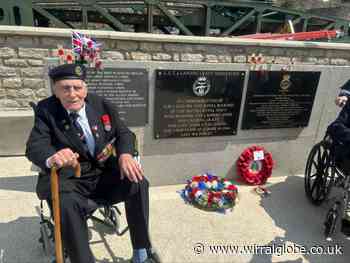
x=86 y=50
x=82 y=44
x=77 y=42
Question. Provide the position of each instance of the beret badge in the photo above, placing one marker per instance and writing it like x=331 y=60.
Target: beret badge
x=78 y=71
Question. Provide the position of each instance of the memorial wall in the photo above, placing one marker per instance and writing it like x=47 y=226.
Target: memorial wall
x=194 y=103
x=196 y=118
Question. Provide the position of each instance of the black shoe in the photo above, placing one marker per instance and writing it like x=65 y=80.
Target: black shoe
x=345 y=227
x=151 y=259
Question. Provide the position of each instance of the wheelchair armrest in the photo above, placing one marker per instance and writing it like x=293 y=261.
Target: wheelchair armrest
x=334 y=141
x=135 y=145
x=32 y=104
x=136 y=153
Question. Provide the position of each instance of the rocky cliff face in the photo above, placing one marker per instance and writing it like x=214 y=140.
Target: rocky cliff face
x=340 y=12
x=335 y=8
x=308 y=4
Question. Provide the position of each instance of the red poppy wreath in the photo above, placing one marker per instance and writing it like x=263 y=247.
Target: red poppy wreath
x=255 y=165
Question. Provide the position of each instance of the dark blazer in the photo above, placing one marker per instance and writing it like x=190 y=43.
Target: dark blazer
x=340 y=132
x=54 y=131
x=340 y=128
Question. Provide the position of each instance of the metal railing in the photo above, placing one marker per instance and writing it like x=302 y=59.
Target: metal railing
x=195 y=17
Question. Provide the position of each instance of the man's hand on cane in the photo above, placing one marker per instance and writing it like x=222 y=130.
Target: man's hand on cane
x=64 y=158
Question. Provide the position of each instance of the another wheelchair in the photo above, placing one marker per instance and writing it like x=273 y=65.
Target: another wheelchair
x=325 y=169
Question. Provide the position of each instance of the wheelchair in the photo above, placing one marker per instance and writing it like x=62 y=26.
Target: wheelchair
x=325 y=169
x=111 y=215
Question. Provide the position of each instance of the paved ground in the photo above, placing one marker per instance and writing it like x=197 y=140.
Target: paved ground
x=181 y=233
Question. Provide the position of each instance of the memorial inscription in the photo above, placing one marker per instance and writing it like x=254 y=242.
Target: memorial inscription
x=191 y=103
x=126 y=89
x=279 y=99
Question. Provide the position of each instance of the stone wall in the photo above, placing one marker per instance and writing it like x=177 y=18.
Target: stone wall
x=23 y=51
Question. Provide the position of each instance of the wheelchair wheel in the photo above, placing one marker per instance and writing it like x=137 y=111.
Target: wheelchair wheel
x=319 y=173
x=331 y=221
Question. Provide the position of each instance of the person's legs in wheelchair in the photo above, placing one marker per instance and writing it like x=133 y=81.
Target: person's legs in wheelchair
x=343 y=162
x=345 y=222
x=74 y=208
x=135 y=196
x=346 y=217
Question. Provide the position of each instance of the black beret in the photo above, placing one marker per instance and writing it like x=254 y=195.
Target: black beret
x=346 y=86
x=68 y=71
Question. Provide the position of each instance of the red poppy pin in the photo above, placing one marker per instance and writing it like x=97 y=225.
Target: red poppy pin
x=106 y=122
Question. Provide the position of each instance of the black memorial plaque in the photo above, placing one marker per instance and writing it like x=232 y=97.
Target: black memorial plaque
x=126 y=89
x=191 y=103
x=278 y=99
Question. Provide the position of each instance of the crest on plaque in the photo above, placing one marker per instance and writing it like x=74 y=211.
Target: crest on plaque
x=201 y=86
x=285 y=82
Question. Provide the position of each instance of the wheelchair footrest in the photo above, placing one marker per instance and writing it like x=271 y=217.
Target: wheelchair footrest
x=111 y=217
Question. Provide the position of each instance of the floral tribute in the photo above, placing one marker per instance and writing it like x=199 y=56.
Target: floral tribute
x=255 y=165
x=85 y=50
x=209 y=192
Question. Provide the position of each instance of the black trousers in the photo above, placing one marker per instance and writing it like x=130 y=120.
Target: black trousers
x=74 y=208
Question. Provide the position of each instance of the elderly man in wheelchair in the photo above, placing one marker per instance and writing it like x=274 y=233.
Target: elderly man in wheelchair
x=74 y=128
x=328 y=165
x=339 y=130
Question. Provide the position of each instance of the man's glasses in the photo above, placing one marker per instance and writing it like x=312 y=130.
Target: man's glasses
x=68 y=88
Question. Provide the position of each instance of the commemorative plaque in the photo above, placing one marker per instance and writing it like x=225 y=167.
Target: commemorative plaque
x=125 y=88
x=192 y=103
x=279 y=99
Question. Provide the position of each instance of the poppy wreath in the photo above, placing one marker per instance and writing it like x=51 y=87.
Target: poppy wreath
x=255 y=165
x=209 y=192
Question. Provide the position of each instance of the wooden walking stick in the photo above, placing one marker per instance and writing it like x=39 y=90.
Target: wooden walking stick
x=56 y=211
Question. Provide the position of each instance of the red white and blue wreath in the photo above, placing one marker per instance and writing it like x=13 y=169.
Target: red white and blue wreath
x=210 y=192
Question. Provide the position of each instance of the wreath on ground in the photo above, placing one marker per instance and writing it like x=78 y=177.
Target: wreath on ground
x=210 y=192
x=255 y=165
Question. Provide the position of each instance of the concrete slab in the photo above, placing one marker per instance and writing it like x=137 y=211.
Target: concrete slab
x=180 y=232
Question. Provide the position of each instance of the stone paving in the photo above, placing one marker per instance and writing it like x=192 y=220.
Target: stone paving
x=181 y=233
